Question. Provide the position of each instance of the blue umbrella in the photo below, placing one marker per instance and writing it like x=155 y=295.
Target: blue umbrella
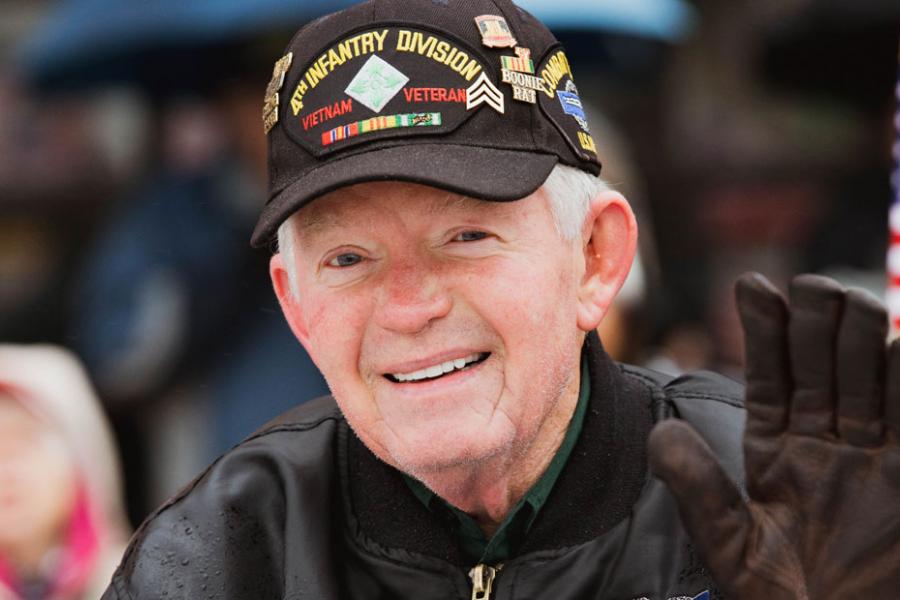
x=666 y=20
x=86 y=42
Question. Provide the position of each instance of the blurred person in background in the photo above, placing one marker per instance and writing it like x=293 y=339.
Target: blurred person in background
x=62 y=524
x=624 y=330
x=171 y=309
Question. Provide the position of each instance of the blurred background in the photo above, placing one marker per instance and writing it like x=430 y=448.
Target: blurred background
x=749 y=134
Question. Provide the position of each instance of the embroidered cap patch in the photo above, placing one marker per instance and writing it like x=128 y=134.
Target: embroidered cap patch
x=561 y=103
x=376 y=84
x=387 y=82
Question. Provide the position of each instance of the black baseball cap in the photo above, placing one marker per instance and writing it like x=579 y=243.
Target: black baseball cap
x=476 y=97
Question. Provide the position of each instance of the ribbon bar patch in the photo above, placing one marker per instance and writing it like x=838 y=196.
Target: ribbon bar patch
x=380 y=123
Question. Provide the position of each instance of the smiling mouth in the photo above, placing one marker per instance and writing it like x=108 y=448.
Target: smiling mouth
x=440 y=370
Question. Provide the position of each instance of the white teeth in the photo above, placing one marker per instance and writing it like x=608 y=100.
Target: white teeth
x=436 y=370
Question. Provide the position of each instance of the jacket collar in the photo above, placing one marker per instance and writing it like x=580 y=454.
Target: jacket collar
x=600 y=483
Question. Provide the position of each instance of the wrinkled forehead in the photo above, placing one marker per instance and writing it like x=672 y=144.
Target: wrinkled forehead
x=359 y=202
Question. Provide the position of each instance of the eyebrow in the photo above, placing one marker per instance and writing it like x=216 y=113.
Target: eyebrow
x=315 y=222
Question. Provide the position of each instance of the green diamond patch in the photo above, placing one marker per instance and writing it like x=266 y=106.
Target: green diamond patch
x=376 y=84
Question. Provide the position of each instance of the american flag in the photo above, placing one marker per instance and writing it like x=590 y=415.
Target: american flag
x=893 y=262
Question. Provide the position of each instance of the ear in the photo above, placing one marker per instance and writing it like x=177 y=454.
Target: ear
x=290 y=304
x=610 y=241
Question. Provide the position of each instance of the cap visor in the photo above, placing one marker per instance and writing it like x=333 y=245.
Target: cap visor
x=478 y=172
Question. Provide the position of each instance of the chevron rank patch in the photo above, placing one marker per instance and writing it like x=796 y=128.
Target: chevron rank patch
x=561 y=104
x=483 y=91
x=386 y=82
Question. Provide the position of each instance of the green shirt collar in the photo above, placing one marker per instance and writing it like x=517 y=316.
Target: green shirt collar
x=512 y=531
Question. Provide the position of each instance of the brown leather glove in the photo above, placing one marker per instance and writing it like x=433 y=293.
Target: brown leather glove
x=821 y=450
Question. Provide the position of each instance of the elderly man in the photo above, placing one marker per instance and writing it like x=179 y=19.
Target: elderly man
x=446 y=251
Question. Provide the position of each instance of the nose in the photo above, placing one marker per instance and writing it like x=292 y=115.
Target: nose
x=412 y=295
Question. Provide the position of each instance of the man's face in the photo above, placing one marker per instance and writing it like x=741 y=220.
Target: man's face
x=446 y=327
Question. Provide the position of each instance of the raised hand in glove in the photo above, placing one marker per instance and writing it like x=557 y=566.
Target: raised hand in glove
x=821 y=451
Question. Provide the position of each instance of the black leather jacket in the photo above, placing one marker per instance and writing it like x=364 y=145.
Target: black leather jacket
x=303 y=510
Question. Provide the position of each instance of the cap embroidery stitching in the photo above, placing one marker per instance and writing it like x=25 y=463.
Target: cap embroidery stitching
x=376 y=84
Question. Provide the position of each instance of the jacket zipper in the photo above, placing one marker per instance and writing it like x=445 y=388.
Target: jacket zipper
x=482 y=577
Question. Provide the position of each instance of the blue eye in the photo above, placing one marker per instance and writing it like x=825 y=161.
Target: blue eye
x=345 y=260
x=471 y=236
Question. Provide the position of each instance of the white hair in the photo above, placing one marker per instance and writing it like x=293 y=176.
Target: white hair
x=568 y=190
